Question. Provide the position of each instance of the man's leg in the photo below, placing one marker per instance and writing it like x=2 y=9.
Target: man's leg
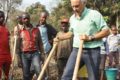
x=36 y=62
x=68 y=72
x=110 y=55
x=116 y=59
x=6 y=69
x=102 y=66
x=26 y=66
x=61 y=63
x=91 y=58
x=1 y=70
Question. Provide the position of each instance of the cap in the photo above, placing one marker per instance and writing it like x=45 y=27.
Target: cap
x=66 y=20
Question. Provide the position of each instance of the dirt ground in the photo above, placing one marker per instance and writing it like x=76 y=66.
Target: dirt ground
x=53 y=73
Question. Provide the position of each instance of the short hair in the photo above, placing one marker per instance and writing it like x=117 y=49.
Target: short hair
x=25 y=15
x=44 y=13
x=18 y=17
x=113 y=25
x=2 y=13
x=83 y=1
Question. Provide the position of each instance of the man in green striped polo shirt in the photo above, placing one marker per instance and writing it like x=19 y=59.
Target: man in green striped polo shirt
x=87 y=25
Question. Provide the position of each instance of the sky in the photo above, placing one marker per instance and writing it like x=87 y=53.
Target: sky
x=49 y=4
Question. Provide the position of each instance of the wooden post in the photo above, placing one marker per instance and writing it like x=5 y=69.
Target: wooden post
x=46 y=62
x=13 y=58
x=78 y=60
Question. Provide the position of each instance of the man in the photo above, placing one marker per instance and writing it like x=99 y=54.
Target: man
x=30 y=46
x=19 y=25
x=104 y=52
x=64 y=47
x=47 y=32
x=47 y=35
x=17 y=28
x=5 y=56
x=87 y=25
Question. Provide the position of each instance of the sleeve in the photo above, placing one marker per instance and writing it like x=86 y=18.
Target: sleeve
x=70 y=28
x=99 y=21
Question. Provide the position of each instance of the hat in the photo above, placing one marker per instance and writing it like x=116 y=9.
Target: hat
x=66 y=20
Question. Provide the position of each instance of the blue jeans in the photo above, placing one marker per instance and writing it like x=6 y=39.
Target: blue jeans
x=90 y=57
x=30 y=59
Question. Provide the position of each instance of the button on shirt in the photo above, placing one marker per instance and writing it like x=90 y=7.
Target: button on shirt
x=113 y=42
x=89 y=23
x=44 y=36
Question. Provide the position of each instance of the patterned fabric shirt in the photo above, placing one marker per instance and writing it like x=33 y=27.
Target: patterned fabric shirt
x=113 y=42
x=89 y=23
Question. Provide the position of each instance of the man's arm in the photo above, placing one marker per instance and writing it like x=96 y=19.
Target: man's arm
x=65 y=36
x=103 y=33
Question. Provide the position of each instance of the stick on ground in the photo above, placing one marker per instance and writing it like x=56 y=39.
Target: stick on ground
x=46 y=62
x=78 y=60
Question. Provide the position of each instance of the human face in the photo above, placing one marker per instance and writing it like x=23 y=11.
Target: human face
x=77 y=6
x=19 y=19
x=25 y=20
x=64 y=26
x=114 y=30
x=2 y=18
x=43 y=19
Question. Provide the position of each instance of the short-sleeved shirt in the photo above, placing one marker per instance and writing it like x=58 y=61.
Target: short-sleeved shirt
x=113 y=42
x=89 y=23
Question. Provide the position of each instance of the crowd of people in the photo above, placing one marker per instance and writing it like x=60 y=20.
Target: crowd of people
x=35 y=42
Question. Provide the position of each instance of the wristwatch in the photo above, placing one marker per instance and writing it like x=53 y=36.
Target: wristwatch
x=91 y=37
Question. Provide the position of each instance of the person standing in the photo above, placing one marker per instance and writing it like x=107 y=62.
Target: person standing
x=104 y=52
x=5 y=56
x=31 y=47
x=47 y=32
x=19 y=25
x=87 y=25
x=113 y=41
x=47 y=35
x=64 y=48
x=17 y=29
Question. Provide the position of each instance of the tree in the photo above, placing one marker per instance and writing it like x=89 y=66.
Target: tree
x=62 y=10
x=109 y=8
x=34 y=10
x=8 y=6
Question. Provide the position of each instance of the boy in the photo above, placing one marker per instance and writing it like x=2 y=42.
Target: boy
x=64 y=47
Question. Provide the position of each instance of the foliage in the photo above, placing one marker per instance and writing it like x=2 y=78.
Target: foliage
x=63 y=10
x=34 y=11
x=110 y=9
x=8 y=6
x=12 y=19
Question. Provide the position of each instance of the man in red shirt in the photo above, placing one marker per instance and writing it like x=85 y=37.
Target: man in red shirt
x=5 y=56
x=30 y=47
